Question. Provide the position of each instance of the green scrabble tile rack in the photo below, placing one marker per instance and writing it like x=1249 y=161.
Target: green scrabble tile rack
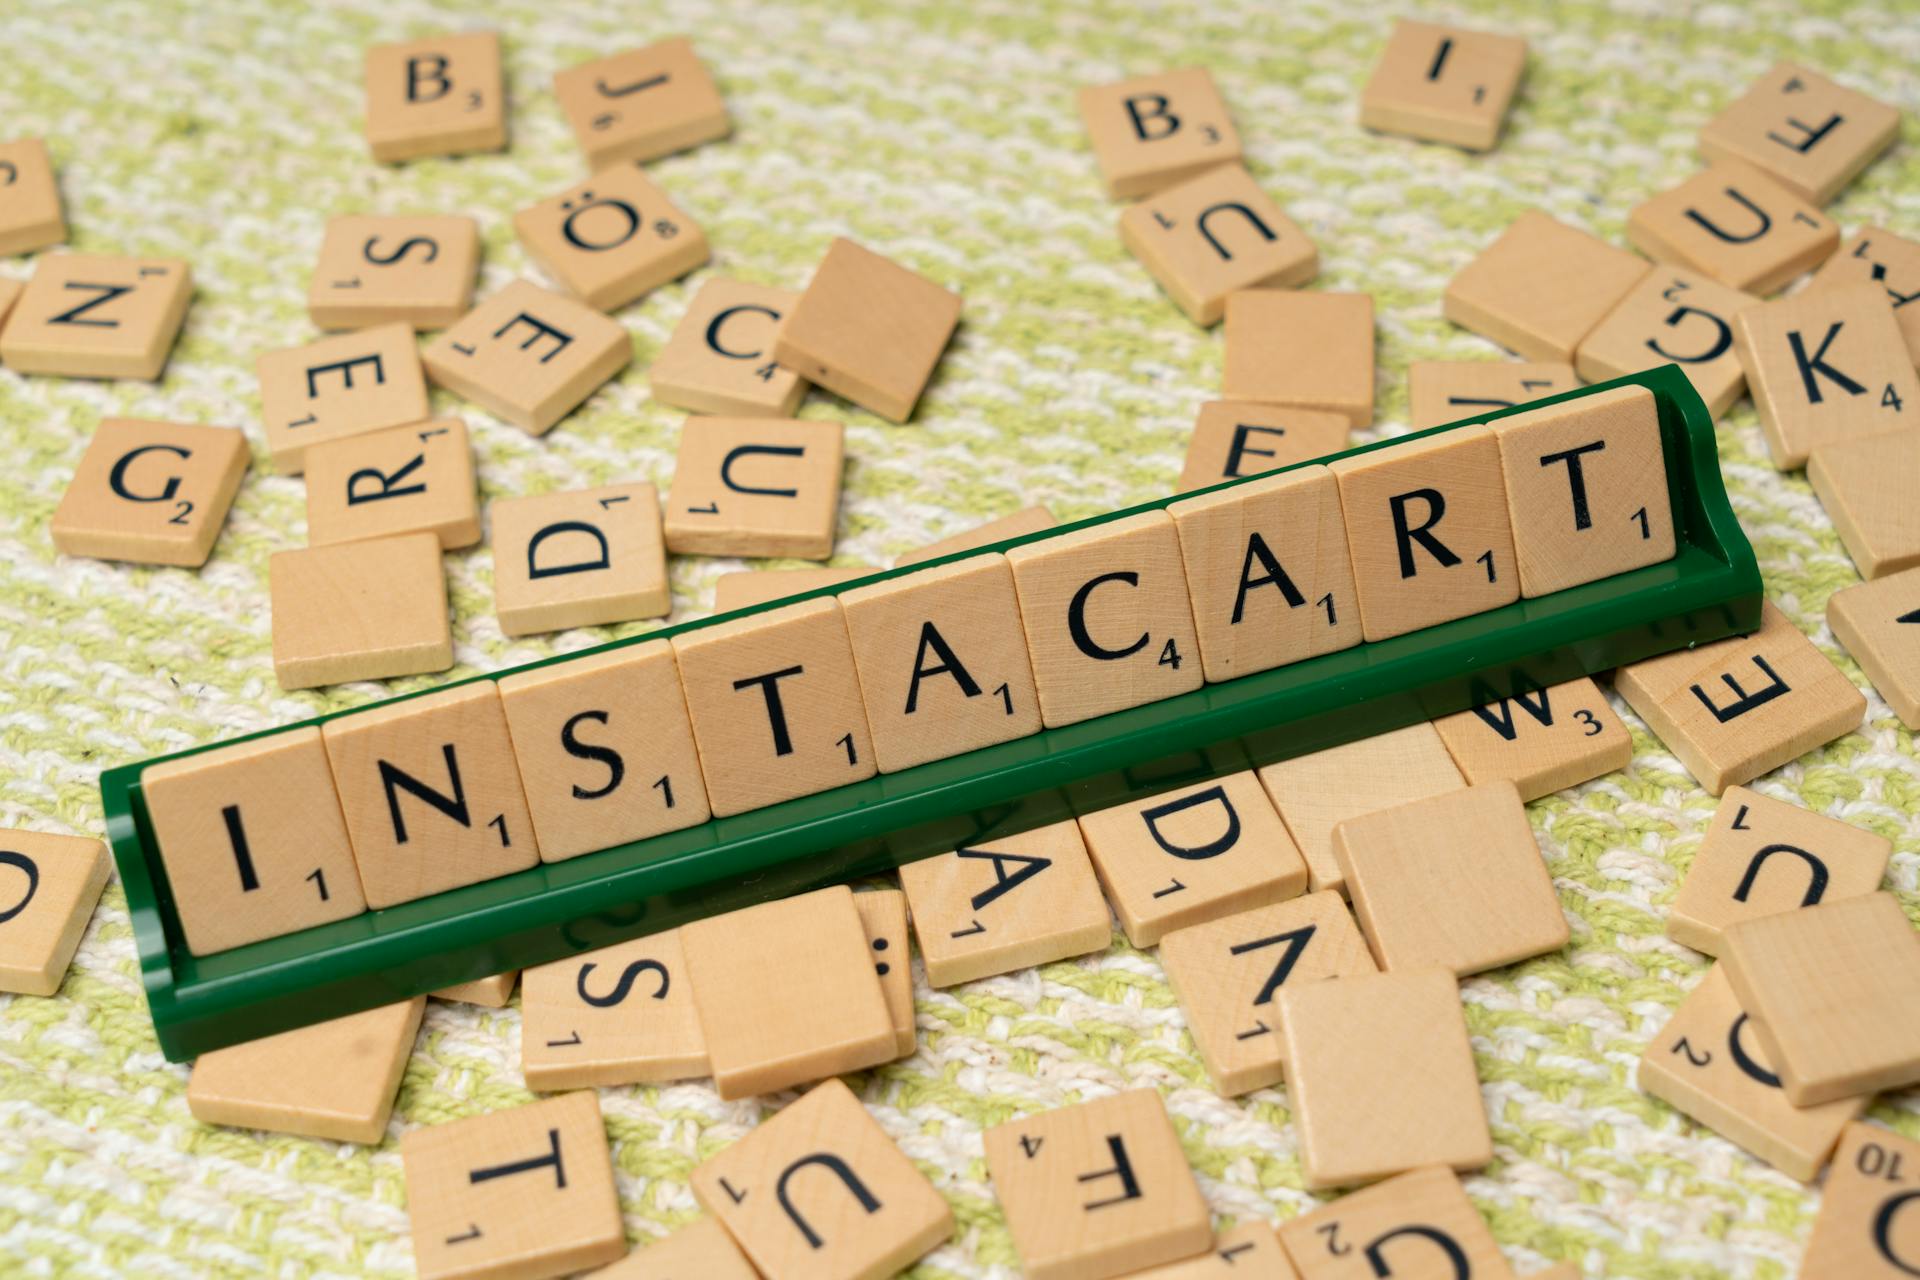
x=1709 y=590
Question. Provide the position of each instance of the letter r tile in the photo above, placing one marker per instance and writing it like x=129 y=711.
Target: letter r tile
x=820 y=1192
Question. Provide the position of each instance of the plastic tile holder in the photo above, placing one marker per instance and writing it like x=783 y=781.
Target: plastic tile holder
x=1709 y=590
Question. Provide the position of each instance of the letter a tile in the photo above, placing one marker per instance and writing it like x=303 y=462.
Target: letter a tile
x=1214 y=234
x=584 y=558
x=1762 y=856
x=1879 y=623
x=775 y=703
x=788 y=992
x=1184 y=857
x=1226 y=972
x=1834 y=990
x=151 y=492
x=1869 y=1226
x=820 y=1192
x=1736 y=708
x=1151 y=132
x=1707 y=1064
x=620 y=1015
x=1097 y=1190
x=253 y=841
x=523 y=1192
x=1004 y=904
x=1420 y=1224
x=1107 y=618
x=430 y=792
x=943 y=661
x=529 y=356
x=1733 y=223
x=1429 y=532
x=1359 y=1111
x=1809 y=133
x=1826 y=366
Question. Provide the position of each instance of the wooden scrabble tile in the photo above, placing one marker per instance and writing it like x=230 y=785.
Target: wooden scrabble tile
x=440 y=96
x=359 y=611
x=150 y=492
x=1541 y=287
x=701 y=1250
x=584 y=558
x=1736 y=708
x=641 y=104
x=10 y=291
x=489 y=993
x=1419 y=1224
x=527 y=1191
x=337 y=387
x=1707 y=1064
x=863 y=1213
x=720 y=357
x=1673 y=316
x=1151 y=132
x=1236 y=438
x=1191 y=855
x=605 y=750
x=1444 y=391
x=1006 y=904
x=86 y=315
x=1097 y=1189
x=1809 y=134
x=614 y=238
x=1865 y=485
x=1106 y=615
x=253 y=841
x=1025 y=521
x=883 y=915
x=334 y=1080
x=30 y=216
x=868 y=329
x=1250 y=1249
x=528 y=356
x=1315 y=793
x=620 y=1015
x=49 y=884
x=943 y=661
x=747 y=587
x=1308 y=350
x=755 y=487
x=1454 y=880
x=1428 y=531
x=787 y=992
x=1872 y=255
x=1360 y=1110
x=412 y=479
x=1268 y=573
x=1213 y=234
x=415 y=269
x=1761 y=856
x=430 y=792
x=1879 y=623
x=1444 y=84
x=1586 y=489
x=1736 y=225
x=1834 y=990
x=1541 y=740
x=775 y=703
x=1824 y=366
x=1226 y=971
x=1866 y=1229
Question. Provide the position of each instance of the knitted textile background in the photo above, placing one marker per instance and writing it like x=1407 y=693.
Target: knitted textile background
x=943 y=134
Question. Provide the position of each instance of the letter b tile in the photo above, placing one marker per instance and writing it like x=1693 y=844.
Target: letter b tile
x=820 y=1192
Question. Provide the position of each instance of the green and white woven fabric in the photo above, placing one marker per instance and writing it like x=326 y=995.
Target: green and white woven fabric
x=942 y=133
